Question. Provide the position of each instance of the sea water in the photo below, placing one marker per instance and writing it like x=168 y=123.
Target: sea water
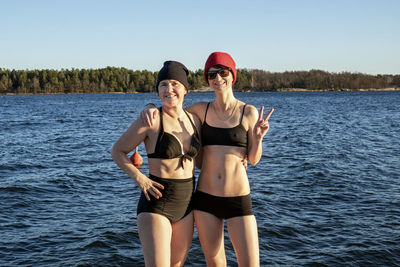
x=325 y=193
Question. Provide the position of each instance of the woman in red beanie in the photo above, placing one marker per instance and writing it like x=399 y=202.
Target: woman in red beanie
x=231 y=131
x=164 y=212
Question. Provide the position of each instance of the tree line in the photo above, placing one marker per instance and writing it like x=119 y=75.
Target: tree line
x=122 y=80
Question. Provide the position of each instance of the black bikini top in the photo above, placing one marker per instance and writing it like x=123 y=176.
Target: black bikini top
x=169 y=147
x=235 y=136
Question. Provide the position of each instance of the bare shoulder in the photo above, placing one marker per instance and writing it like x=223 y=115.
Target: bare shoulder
x=198 y=109
x=136 y=133
x=198 y=105
x=195 y=119
x=144 y=132
x=140 y=127
x=154 y=127
x=251 y=111
x=250 y=115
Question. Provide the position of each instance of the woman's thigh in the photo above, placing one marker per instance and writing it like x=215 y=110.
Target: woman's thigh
x=155 y=233
x=211 y=235
x=182 y=235
x=244 y=236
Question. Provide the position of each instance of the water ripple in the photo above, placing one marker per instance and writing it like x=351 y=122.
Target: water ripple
x=325 y=192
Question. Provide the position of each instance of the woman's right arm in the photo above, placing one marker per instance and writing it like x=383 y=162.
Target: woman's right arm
x=135 y=134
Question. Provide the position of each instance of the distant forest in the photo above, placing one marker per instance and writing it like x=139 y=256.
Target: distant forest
x=122 y=80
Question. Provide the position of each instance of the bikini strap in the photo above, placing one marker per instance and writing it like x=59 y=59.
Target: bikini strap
x=161 y=132
x=241 y=118
x=194 y=126
x=205 y=115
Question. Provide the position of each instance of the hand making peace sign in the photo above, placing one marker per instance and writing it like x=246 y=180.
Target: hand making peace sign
x=262 y=126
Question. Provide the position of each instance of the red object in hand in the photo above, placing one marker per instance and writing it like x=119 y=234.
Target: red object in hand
x=136 y=159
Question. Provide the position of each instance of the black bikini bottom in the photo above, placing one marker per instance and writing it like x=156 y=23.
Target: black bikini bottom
x=223 y=207
x=175 y=202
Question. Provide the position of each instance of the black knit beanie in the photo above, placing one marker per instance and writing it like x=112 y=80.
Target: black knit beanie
x=173 y=70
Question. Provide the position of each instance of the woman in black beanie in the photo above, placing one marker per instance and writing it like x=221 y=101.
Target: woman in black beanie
x=165 y=216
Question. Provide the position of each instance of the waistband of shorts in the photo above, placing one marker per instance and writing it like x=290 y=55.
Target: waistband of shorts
x=221 y=197
x=171 y=180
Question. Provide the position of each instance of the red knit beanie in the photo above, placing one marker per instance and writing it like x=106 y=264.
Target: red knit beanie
x=220 y=58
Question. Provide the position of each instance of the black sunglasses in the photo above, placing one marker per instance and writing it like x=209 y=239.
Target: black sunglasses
x=211 y=75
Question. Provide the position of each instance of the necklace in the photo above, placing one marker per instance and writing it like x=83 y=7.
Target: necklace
x=225 y=119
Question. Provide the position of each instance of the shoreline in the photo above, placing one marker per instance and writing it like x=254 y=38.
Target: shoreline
x=282 y=90
x=341 y=90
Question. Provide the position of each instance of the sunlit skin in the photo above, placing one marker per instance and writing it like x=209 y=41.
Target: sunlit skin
x=163 y=243
x=220 y=83
x=228 y=177
x=171 y=93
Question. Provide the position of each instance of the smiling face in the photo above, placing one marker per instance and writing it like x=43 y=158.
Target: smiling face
x=223 y=79
x=171 y=93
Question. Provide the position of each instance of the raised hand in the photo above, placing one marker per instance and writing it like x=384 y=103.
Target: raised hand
x=262 y=126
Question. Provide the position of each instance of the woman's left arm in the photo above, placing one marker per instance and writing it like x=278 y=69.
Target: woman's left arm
x=258 y=127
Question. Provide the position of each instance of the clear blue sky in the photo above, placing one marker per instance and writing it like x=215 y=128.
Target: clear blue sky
x=335 y=36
